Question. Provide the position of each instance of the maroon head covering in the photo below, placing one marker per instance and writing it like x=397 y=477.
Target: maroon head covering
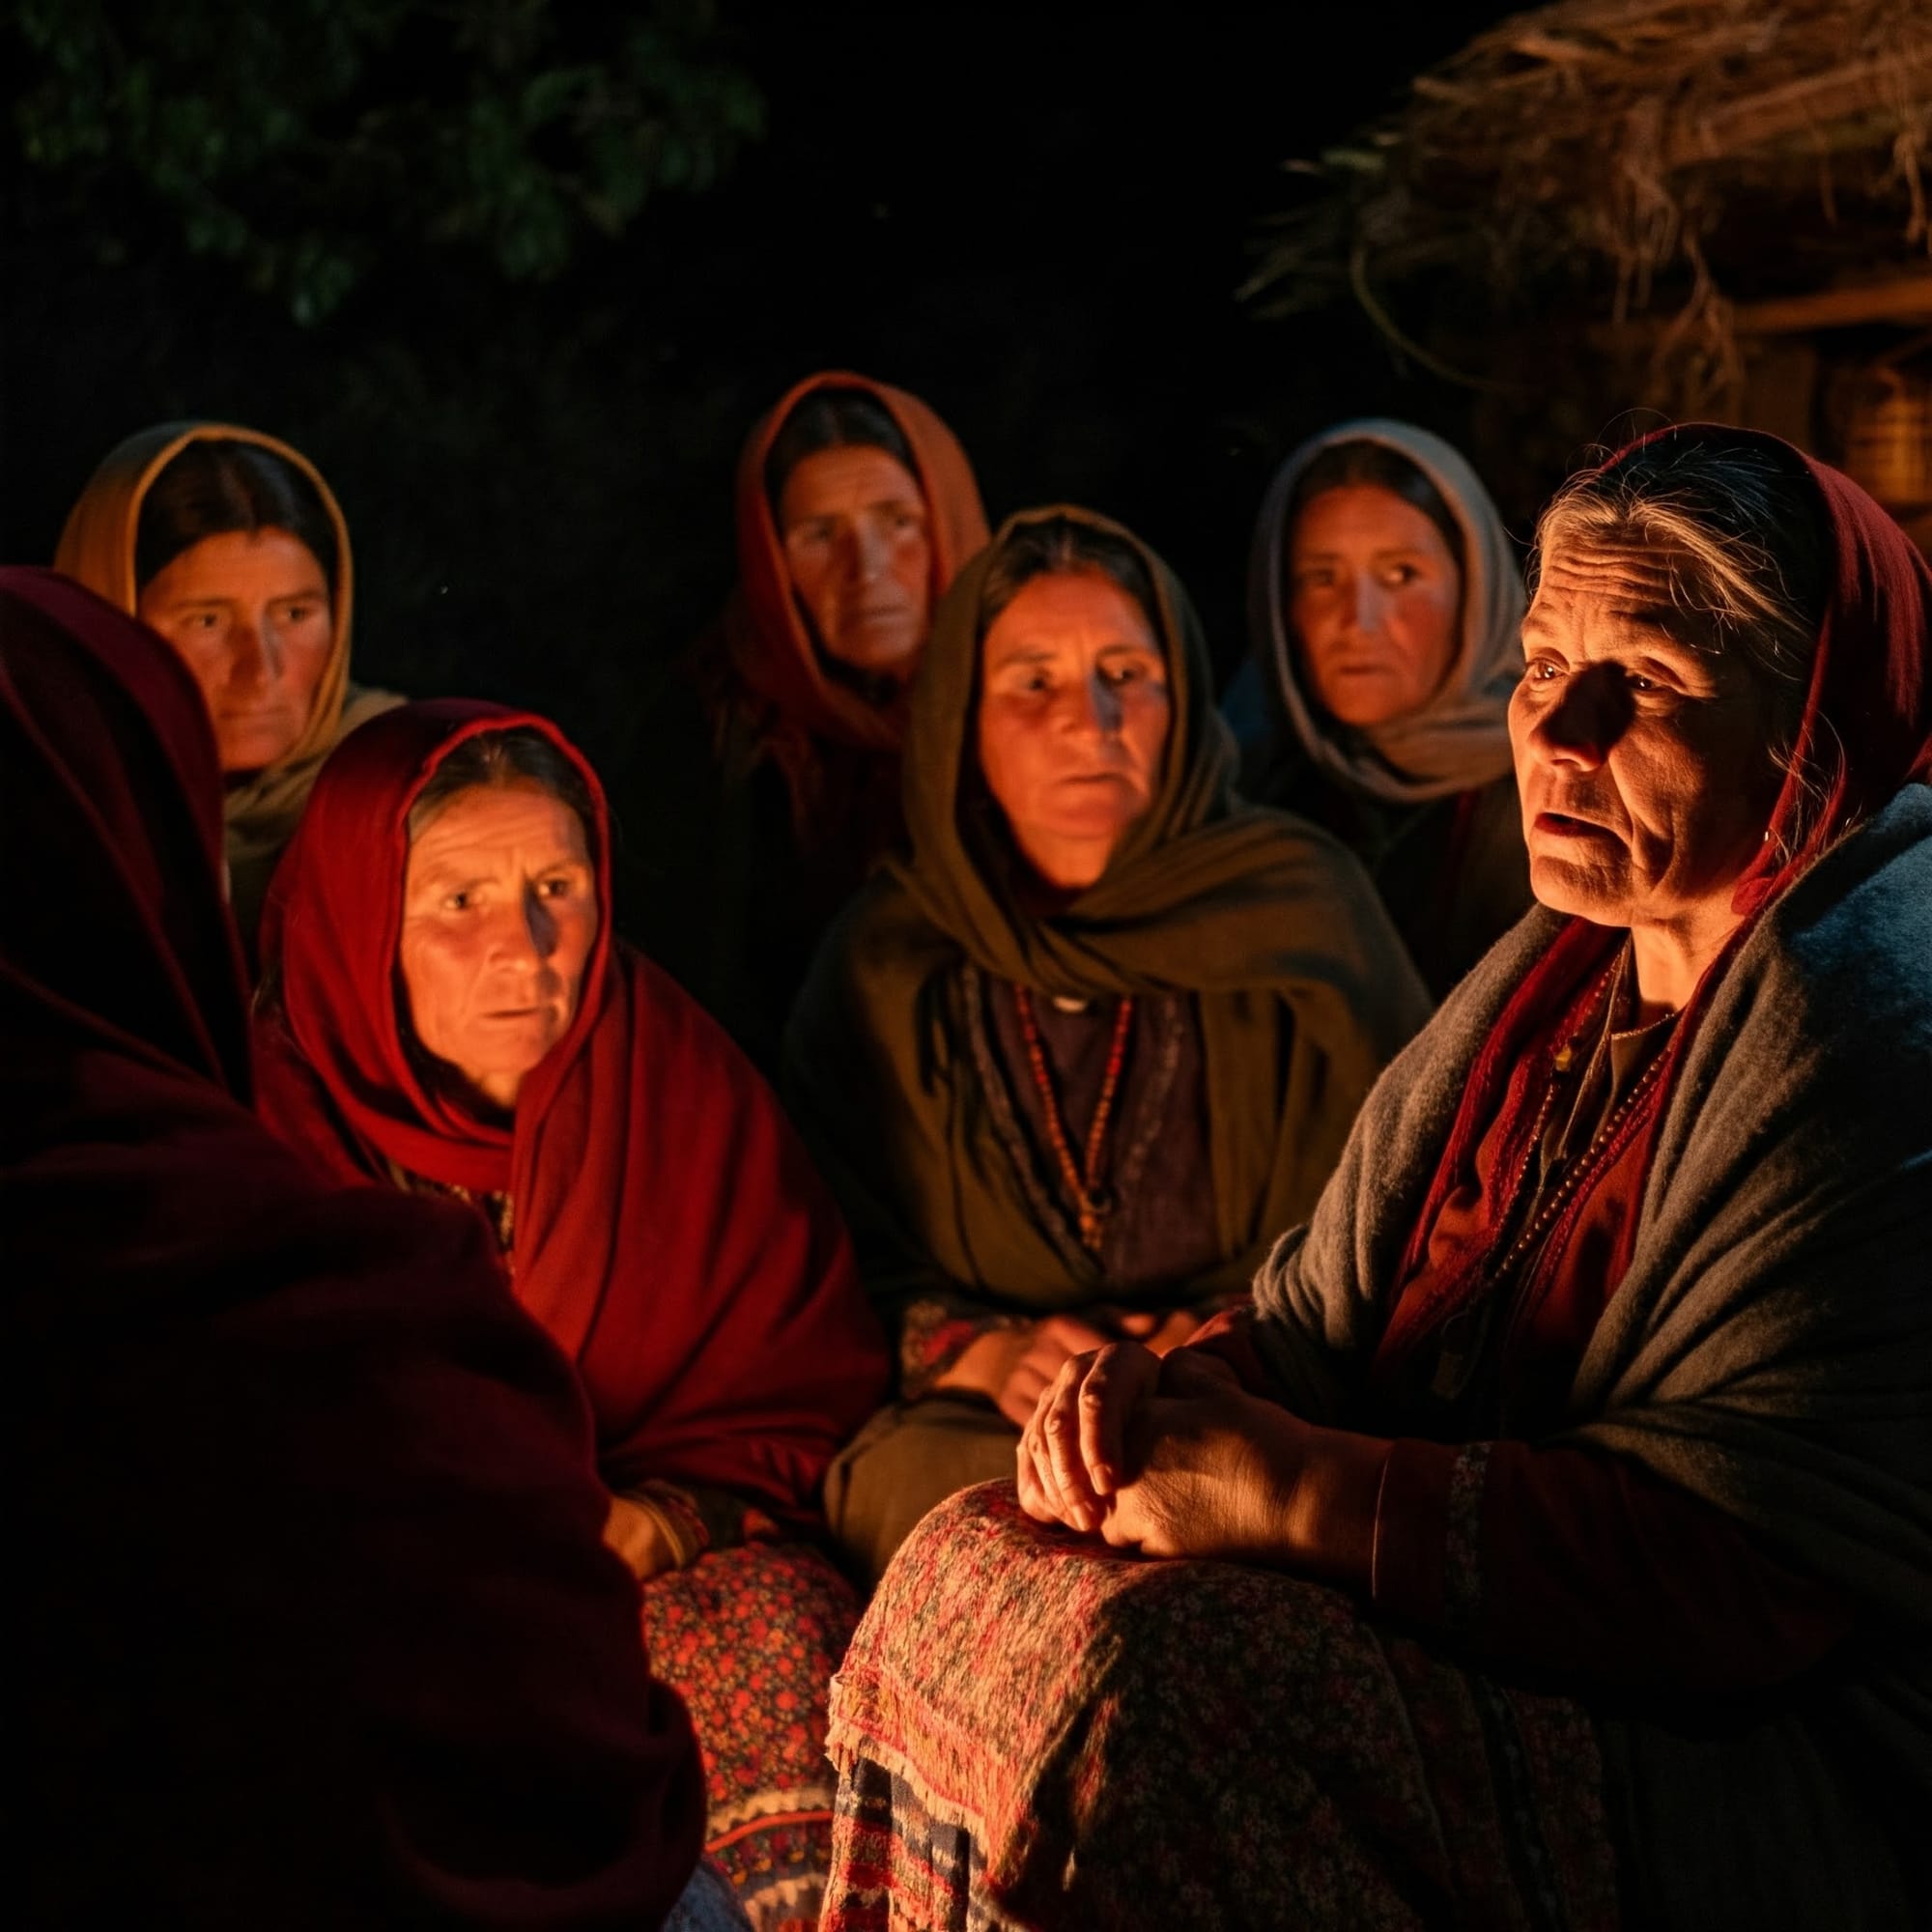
x=306 y=1539
x=671 y=1233
x=1865 y=732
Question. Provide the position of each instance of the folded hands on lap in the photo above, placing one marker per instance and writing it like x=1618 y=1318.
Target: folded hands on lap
x=1169 y=1455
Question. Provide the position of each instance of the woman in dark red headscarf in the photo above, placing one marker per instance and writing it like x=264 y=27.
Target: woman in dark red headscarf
x=447 y=1009
x=314 y=1624
x=1571 y=1478
x=855 y=508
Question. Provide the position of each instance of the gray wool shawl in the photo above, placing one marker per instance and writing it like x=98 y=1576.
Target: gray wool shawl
x=1460 y=739
x=1769 y=1350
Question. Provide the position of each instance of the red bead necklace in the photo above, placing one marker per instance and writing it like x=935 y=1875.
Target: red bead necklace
x=1092 y=1202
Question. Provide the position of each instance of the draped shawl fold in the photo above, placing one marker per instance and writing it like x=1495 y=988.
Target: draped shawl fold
x=305 y=1537
x=1303 y=988
x=97 y=548
x=670 y=1234
x=1460 y=739
x=766 y=634
x=1769 y=1345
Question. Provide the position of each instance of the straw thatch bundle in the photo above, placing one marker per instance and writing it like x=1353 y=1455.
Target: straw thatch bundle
x=1636 y=162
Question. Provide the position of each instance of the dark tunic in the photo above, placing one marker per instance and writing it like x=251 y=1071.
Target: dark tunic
x=1453 y=872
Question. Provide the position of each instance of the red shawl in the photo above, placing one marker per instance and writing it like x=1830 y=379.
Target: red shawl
x=769 y=642
x=671 y=1233
x=1865 y=732
x=306 y=1541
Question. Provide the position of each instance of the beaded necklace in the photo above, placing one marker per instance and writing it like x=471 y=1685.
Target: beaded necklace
x=1091 y=1201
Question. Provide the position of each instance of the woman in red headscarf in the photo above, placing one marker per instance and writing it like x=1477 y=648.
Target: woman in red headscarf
x=314 y=1623
x=446 y=1011
x=1567 y=1488
x=855 y=508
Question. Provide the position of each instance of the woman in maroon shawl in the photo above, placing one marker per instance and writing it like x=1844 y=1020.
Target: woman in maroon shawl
x=314 y=1627
x=1567 y=1492
x=446 y=1010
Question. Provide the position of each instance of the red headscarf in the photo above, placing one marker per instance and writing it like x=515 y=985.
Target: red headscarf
x=671 y=1233
x=307 y=1538
x=1865 y=732
x=769 y=639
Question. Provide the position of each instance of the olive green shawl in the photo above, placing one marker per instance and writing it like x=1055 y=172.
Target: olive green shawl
x=1301 y=987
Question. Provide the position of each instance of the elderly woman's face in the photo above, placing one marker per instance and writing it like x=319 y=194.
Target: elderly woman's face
x=1374 y=597
x=854 y=526
x=249 y=611
x=1073 y=718
x=499 y=912
x=1641 y=752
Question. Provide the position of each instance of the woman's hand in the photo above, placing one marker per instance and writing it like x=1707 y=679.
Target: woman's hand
x=1016 y=1366
x=1175 y=1457
x=636 y=1535
x=1074 y=1452
x=1219 y=1473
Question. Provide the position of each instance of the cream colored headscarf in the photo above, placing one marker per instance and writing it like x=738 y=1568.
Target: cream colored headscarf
x=1460 y=739
x=97 y=548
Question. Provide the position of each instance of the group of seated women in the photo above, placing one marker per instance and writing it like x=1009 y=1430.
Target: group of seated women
x=1507 y=1325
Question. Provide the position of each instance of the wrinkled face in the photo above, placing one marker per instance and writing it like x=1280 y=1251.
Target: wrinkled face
x=1375 y=598
x=249 y=613
x=1073 y=718
x=1641 y=751
x=499 y=912
x=853 y=522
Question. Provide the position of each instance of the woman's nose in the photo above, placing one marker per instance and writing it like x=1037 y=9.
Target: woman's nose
x=255 y=652
x=1095 y=706
x=1367 y=605
x=869 y=552
x=1584 y=721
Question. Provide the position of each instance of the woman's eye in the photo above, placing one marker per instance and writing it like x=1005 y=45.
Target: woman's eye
x=1398 y=575
x=456 y=903
x=559 y=887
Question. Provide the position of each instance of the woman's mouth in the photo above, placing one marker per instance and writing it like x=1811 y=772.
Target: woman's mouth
x=1566 y=825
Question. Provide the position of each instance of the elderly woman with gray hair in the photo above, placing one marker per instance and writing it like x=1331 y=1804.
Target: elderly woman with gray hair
x=1550 y=1543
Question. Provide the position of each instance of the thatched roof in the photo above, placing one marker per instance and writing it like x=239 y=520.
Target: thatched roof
x=1693 y=169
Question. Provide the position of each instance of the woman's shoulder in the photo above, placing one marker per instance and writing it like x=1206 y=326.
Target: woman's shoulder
x=1844 y=961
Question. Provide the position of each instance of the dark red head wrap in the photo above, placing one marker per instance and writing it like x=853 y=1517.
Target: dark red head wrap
x=1865 y=732
x=671 y=1233
x=306 y=1541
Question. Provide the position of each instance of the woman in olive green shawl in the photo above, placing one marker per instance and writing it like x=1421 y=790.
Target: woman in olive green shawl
x=1073 y=1064
x=230 y=544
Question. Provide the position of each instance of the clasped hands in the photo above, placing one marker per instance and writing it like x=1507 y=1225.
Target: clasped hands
x=1170 y=1456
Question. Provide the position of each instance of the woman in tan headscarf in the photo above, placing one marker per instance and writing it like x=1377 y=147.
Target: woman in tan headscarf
x=856 y=507
x=229 y=544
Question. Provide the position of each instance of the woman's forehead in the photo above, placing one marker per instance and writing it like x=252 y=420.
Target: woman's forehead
x=1645 y=587
x=500 y=817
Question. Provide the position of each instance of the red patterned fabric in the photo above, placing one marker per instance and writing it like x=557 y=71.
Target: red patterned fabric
x=671 y=1233
x=307 y=1565
x=750 y=1637
x=1034 y=1730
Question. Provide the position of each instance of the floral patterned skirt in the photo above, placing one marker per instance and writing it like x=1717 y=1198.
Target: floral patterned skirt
x=750 y=1638
x=1037 y=1732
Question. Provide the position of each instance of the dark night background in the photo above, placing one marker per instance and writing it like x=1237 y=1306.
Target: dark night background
x=1037 y=217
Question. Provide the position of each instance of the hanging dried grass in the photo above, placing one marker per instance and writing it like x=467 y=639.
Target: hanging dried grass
x=1620 y=133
